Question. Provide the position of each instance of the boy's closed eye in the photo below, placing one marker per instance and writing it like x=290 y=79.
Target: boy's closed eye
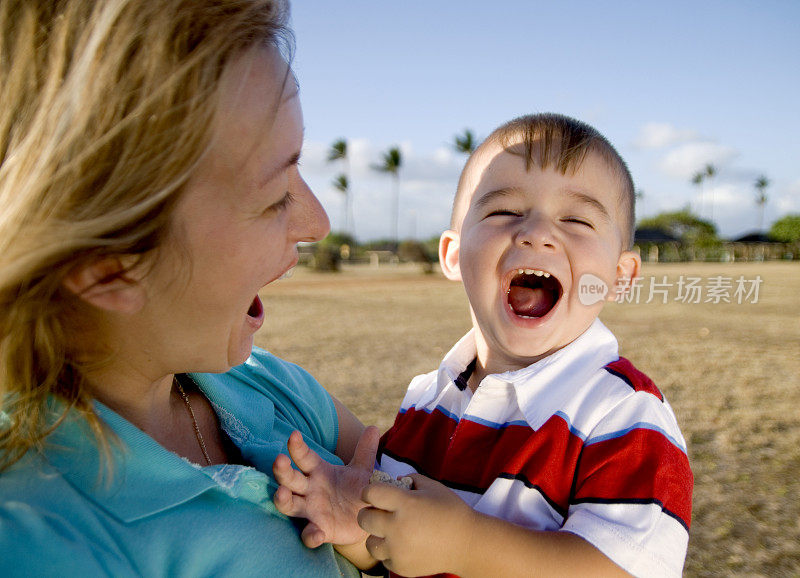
x=504 y=213
x=578 y=220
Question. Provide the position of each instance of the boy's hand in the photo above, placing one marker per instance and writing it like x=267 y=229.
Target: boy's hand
x=328 y=496
x=416 y=532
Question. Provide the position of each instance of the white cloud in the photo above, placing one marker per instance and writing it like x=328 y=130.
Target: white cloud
x=685 y=160
x=658 y=135
x=427 y=185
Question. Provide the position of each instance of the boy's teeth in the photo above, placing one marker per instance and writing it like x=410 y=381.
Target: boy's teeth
x=537 y=272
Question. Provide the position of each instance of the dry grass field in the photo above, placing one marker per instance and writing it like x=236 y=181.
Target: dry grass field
x=730 y=370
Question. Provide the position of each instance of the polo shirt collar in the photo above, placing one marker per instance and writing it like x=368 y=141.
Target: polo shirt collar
x=542 y=388
x=154 y=479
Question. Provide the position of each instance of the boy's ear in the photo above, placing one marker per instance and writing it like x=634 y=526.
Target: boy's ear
x=628 y=267
x=106 y=284
x=448 y=254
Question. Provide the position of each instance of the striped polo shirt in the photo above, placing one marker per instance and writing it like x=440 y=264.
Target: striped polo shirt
x=580 y=441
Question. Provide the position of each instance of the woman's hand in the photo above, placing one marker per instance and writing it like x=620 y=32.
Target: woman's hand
x=328 y=496
x=417 y=532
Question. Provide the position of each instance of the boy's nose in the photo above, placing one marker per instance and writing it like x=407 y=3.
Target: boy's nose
x=310 y=221
x=536 y=231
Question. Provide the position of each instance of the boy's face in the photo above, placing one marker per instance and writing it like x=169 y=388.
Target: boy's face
x=534 y=249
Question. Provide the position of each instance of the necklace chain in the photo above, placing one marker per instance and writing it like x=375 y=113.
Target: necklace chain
x=197 y=433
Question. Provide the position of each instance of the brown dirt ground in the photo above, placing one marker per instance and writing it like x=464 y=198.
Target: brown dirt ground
x=731 y=372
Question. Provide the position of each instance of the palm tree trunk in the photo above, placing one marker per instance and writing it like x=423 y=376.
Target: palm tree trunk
x=348 y=201
x=396 y=211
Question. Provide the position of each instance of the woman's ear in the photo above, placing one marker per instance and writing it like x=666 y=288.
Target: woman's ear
x=106 y=284
x=448 y=254
x=628 y=267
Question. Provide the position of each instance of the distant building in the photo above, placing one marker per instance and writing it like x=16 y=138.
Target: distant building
x=654 y=245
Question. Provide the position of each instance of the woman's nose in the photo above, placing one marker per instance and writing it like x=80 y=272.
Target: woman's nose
x=310 y=221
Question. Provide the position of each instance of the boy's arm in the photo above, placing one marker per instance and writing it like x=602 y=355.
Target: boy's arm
x=431 y=530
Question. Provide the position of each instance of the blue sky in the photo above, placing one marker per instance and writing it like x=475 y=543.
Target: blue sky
x=673 y=84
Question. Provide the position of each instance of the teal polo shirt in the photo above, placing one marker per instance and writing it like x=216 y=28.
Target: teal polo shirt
x=160 y=515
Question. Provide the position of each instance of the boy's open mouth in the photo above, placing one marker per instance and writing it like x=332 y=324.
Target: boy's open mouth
x=533 y=293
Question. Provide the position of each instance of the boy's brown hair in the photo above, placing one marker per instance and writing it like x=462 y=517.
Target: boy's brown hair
x=560 y=142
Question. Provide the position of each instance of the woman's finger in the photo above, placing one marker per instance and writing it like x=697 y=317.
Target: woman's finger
x=304 y=457
x=366 y=449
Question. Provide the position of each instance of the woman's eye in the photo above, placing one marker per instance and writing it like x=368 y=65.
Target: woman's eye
x=282 y=204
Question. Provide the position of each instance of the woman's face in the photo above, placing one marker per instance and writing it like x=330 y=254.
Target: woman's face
x=238 y=223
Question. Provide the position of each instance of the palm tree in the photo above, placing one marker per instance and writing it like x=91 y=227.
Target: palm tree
x=391 y=162
x=338 y=151
x=710 y=171
x=698 y=179
x=638 y=197
x=465 y=143
x=762 y=182
x=341 y=184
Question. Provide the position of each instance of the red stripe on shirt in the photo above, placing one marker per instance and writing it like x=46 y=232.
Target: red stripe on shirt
x=475 y=455
x=640 y=466
x=625 y=370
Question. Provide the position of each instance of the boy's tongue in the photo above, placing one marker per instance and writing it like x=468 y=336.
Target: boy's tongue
x=530 y=301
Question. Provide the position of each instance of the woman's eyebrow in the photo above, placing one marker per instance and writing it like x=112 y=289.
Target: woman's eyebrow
x=272 y=174
x=585 y=199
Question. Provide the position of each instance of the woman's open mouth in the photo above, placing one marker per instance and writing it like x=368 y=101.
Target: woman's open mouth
x=533 y=293
x=256 y=310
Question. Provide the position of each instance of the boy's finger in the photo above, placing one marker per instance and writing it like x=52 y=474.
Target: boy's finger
x=287 y=476
x=424 y=482
x=305 y=458
x=373 y=521
x=377 y=548
x=366 y=449
x=384 y=496
x=312 y=536
x=287 y=503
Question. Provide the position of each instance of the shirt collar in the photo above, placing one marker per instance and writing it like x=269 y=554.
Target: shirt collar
x=544 y=387
x=145 y=477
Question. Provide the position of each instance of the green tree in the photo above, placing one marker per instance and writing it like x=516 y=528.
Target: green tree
x=638 y=197
x=697 y=179
x=465 y=142
x=786 y=229
x=390 y=163
x=684 y=225
x=710 y=172
x=342 y=184
x=329 y=252
x=761 y=184
x=338 y=152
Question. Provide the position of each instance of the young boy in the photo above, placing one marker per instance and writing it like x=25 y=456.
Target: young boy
x=552 y=454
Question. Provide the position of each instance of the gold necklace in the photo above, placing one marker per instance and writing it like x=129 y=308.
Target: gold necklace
x=197 y=433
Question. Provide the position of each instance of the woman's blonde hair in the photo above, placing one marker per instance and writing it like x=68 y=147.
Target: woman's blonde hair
x=106 y=109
